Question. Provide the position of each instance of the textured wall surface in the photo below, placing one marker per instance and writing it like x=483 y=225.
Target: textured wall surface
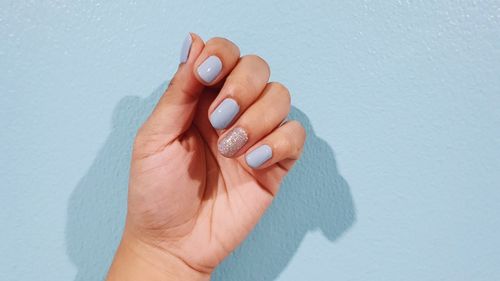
x=400 y=178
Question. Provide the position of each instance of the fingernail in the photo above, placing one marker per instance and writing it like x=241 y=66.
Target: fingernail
x=186 y=47
x=224 y=113
x=233 y=141
x=259 y=156
x=210 y=68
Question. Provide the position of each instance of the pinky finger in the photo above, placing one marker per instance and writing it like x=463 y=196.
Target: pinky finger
x=284 y=145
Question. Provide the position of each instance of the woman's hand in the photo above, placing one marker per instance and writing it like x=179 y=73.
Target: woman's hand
x=206 y=164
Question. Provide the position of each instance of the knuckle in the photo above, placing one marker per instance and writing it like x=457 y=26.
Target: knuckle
x=298 y=133
x=299 y=128
x=236 y=88
x=290 y=147
x=216 y=40
x=257 y=60
x=220 y=42
x=281 y=90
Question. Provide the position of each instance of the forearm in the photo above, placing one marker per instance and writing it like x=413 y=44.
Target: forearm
x=135 y=260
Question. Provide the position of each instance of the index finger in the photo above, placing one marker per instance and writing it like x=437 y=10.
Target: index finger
x=217 y=59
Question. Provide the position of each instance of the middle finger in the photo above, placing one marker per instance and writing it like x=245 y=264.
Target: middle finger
x=241 y=88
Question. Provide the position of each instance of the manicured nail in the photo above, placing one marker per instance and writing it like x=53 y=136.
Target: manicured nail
x=209 y=69
x=259 y=156
x=233 y=141
x=186 y=47
x=224 y=113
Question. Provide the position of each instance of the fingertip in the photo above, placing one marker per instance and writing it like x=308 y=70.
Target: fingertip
x=257 y=158
x=186 y=47
x=183 y=80
x=209 y=69
x=196 y=38
x=218 y=58
x=191 y=48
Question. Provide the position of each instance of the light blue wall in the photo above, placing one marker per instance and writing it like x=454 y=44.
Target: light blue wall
x=400 y=178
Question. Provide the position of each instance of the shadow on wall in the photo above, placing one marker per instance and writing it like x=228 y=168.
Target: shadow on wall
x=313 y=196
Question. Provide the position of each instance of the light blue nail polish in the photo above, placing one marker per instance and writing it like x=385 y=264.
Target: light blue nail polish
x=259 y=156
x=209 y=69
x=186 y=47
x=224 y=113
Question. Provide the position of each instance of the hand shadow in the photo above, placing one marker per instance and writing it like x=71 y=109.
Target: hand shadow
x=312 y=196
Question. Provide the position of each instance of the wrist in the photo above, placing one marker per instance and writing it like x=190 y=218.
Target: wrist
x=137 y=260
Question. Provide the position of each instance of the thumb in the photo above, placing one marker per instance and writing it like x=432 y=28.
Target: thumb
x=175 y=110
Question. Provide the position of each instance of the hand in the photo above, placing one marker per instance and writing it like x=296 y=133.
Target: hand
x=206 y=164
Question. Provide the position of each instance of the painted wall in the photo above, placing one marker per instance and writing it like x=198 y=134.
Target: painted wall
x=400 y=178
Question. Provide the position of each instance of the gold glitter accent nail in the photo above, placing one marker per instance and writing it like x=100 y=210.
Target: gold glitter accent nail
x=233 y=141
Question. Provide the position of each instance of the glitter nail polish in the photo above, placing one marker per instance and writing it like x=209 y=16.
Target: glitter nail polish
x=234 y=140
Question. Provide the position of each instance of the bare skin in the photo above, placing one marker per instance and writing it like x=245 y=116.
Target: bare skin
x=188 y=205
